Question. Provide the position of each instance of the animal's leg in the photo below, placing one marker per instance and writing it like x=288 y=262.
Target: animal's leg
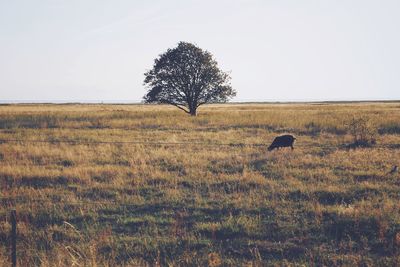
x=292 y=147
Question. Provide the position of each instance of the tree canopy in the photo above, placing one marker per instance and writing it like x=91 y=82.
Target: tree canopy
x=187 y=77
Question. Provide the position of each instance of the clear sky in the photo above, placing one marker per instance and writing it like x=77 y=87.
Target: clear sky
x=94 y=50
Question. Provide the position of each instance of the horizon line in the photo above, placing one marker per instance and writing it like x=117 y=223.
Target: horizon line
x=240 y=101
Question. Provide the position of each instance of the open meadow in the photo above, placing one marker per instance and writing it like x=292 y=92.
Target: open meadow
x=137 y=185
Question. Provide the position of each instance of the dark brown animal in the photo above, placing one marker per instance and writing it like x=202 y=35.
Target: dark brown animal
x=286 y=140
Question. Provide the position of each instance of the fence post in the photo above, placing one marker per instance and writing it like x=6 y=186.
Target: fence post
x=14 y=238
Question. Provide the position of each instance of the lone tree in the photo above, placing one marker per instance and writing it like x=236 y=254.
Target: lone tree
x=187 y=77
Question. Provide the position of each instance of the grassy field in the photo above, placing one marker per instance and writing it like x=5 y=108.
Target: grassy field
x=105 y=204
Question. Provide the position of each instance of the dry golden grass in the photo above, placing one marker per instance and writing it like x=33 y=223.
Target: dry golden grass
x=92 y=204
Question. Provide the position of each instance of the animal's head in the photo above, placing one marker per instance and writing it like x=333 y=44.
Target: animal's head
x=270 y=148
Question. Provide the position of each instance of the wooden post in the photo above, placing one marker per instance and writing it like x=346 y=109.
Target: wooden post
x=14 y=238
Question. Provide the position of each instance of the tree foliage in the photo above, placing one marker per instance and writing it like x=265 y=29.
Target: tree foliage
x=187 y=77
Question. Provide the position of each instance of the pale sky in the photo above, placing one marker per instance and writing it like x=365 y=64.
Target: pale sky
x=276 y=50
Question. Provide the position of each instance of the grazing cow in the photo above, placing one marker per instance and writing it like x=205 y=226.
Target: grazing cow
x=286 y=140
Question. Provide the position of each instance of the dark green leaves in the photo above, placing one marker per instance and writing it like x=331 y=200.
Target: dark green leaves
x=187 y=77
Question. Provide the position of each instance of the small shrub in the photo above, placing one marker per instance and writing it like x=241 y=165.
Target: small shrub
x=363 y=132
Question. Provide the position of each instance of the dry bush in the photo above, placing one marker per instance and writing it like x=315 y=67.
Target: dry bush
x=362 y=130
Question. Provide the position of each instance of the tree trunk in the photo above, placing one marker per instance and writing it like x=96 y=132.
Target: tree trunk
x=193 y=111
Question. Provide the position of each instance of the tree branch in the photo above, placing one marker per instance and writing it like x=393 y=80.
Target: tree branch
x=176 y=105
x=180 y=108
